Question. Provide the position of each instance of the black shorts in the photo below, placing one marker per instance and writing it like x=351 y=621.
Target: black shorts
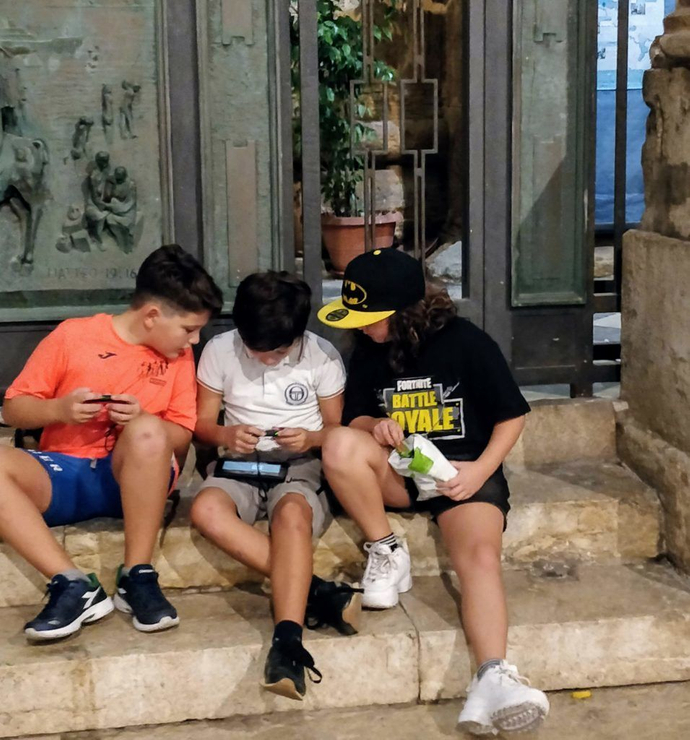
x=495 y=491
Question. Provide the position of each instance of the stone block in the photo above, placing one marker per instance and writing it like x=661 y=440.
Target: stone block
x=667 y=469
x=666 y=152
x=110 y=675
x=393 y=137
x=390 y=194
x=446 y=263
x=639 y=712
x=599 y=627
x=560 y=431
x=655 y=342
x=582 y=511
x=20 y=583
x=676 y=45
x=678 y=21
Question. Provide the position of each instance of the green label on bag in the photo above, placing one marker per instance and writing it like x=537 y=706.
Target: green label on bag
x=420 y=463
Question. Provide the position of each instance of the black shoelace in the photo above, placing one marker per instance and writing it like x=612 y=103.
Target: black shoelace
x=299 y=655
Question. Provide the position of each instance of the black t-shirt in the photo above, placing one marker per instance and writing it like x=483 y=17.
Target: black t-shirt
x=455 y=392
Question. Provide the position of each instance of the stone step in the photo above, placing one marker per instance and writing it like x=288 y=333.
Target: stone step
x=566 y=430
x=599 y=626
x=583 y=511
x=594 y=626
x=639 y=712
x=556 y=431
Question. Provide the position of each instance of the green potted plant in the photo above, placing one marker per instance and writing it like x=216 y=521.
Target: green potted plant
x=339 y=43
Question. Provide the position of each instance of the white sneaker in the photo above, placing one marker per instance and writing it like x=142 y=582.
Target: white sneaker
x=475 y=717
x=386 y=576
x=502 y=701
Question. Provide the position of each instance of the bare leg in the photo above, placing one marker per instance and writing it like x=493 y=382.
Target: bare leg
x=473 y=533
x=25 y=493
x=141 y=465
x=291 y=557
x=214 y=514
x=365 y=487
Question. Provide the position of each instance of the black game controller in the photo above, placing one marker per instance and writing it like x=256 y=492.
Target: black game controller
x=106 y=398
x=101 y=399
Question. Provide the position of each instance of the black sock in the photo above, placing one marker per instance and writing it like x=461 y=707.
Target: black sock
x=287 y=631
x=315 y=583
x=390 y=540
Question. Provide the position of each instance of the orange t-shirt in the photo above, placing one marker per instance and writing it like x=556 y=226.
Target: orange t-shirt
x=87 y=353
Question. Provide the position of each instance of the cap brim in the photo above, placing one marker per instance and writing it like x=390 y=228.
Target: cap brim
x=336 y=314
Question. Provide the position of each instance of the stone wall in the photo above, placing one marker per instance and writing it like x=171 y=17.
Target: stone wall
x=666 y=152
x=654 y=434
x=656 y=335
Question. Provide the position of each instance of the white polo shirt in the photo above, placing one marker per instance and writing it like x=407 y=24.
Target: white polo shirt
x=286 y=395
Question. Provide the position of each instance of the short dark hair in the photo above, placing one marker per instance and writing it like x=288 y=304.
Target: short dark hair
x=172 y=275
x=271 y=310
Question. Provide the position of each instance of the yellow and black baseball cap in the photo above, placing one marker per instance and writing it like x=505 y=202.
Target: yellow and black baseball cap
x=375 y=285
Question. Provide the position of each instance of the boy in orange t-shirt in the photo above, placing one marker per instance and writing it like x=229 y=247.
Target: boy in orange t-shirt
x=116 y=396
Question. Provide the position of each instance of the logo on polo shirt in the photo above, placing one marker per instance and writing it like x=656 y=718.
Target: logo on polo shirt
x=296 y=394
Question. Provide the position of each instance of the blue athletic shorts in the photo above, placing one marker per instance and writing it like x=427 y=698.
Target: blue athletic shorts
x=82 y=488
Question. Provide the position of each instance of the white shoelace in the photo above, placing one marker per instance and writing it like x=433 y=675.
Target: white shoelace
x=508 y=674
x=379 y=564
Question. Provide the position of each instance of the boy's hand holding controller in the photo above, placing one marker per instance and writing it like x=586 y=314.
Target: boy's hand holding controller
x=123 y=408
x=82 y=405
x=294 y=440
x=241 y=438
x=73 y=409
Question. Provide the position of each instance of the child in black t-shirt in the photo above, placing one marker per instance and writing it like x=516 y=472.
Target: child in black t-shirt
x=418 y=368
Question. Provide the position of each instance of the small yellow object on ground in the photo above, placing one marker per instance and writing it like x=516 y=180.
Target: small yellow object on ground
x=585 y=694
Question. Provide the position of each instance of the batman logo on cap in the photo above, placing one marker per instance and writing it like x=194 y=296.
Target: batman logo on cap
x=338 y=315
x=353 y=294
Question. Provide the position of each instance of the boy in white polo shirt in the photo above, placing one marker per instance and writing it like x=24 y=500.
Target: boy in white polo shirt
x=281 y=389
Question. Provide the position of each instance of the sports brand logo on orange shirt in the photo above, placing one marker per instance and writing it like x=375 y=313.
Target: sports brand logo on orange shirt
x=153 y=368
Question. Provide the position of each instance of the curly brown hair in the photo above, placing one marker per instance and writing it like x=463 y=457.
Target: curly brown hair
x=410 y=327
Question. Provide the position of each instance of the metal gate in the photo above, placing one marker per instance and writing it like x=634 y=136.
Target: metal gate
x=526 y=159
x=528 y=113
x=485 y=148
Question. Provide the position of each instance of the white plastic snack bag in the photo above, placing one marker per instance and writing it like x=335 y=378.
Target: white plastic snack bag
x=421 y=460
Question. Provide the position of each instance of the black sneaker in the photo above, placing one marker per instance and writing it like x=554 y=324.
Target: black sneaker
x=284 y=669
x=334 y=604
x=71 y=604
x=139 y=594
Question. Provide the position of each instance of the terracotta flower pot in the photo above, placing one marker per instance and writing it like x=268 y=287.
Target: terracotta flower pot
x=344 y=236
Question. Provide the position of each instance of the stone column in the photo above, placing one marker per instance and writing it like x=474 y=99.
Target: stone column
x=654 y=433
